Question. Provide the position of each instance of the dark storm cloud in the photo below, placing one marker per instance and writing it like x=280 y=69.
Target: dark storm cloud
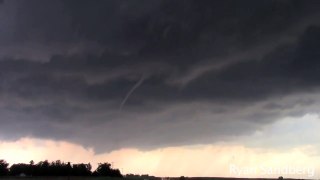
x=207 y=70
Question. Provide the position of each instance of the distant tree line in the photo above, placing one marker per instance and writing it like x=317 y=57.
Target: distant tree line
x=142 y=176
x=57 y=168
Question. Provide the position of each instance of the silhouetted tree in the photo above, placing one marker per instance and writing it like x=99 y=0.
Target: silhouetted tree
x=17 y=169
x=104 y=169
x=57 y=168
x=81 y=169
x=4 y=168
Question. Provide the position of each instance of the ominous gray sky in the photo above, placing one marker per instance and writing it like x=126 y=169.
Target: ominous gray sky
x=147 y=74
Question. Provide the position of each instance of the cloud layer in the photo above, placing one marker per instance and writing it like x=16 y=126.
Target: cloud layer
x=118 y=74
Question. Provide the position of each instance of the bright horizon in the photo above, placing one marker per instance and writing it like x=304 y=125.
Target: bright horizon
x=216 y=160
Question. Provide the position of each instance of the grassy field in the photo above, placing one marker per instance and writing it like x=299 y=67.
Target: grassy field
x=60 y=178
x=108 y=178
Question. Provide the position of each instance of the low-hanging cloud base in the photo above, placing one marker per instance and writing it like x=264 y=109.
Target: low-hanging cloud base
x=112 y=75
